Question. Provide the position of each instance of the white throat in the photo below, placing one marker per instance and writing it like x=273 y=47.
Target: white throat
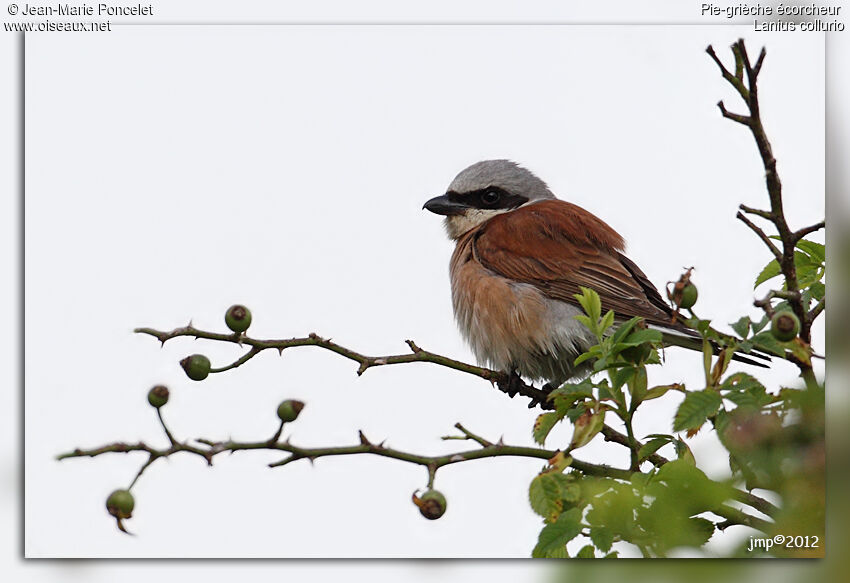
x=457 y=225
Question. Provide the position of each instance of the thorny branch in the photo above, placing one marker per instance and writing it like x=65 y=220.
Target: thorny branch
x=209 y=449
x=507 y=383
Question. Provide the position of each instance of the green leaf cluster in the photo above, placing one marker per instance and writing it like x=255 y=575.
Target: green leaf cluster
x=657 y=511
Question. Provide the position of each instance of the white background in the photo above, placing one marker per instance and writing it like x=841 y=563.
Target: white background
x=174 y=171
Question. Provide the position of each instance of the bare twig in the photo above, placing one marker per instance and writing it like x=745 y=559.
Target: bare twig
x=741 y=119
x=468 y=435
x=758 y=212
x=734 y=516
x=800 y=233
x=758 y=231
x=815 y=312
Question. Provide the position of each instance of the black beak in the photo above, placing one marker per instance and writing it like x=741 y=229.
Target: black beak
x=442 y=205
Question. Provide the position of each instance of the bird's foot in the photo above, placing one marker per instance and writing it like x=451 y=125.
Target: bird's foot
x=511 y=385
x=539 y=396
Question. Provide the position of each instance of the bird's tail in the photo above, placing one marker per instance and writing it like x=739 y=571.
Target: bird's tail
x=692 y=341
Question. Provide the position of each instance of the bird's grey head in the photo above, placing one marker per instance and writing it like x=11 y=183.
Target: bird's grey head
x=484 y=190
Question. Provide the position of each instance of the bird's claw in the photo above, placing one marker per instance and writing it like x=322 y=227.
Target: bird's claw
x=512 y=385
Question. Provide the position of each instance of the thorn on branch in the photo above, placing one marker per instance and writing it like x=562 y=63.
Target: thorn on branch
x=363 y=440
x=415 y=349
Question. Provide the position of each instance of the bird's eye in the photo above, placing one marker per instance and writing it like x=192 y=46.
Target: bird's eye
x=490 y=197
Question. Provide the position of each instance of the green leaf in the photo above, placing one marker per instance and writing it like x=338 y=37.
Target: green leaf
x=650 y=447
x=586 y=427
x=683 y=452
x=610 y=394
x=590 y=303
x=624 y=329
x=555 y=536
x=753 y=399
x=742 y=326
x=640 y=336
x=740 y=381
x=701 y=529
x=584 y=356
x=586 y=552
x=759 y=326
x=814 y=250
x=687 y=486
x=661 y=390
x=558 y=553
x=544 y=493
x=614 y=508
x=808 y=274
x=570 y=490
x=543 y=425
x=566 y=396
x=582 y=389
x=707 y=353
x=639 y=480
x=695 y=409
x=745 y=390
x=637 y=384
x=766 y=342
x=602 y=537
x=701 y=325
x=818 y=290
x=621 y=377
x=607 y=321
x=575 y=412
x=770 y=271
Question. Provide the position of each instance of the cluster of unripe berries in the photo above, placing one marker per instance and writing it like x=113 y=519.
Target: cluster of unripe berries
x=197 y=366
x=120 y=503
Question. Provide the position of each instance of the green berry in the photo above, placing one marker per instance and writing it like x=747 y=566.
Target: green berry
x=238 y=318
x=120 y=504
x=288 y=410
x=432 y=504
x=785 y=326
x=688 y=297
x=197 y=366
x=158 y=396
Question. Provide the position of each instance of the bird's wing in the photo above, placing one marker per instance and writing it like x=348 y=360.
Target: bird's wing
x=558 y=247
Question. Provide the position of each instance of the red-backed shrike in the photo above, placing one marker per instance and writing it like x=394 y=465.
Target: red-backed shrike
x=521 y=254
